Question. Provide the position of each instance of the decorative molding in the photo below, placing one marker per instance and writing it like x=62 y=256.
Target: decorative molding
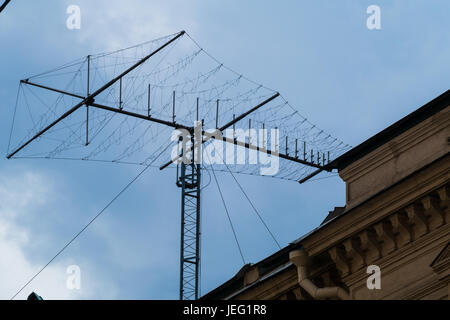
x=441 y=264
x=432 y=242
x=432 y=179
x=383 y=238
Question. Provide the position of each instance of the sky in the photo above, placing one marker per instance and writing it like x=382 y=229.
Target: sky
x=347 y=79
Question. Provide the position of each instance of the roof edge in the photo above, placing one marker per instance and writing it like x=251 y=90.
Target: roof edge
x=429 y=109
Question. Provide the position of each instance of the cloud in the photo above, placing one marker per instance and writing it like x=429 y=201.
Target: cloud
x=109 y=25
x=22 y=196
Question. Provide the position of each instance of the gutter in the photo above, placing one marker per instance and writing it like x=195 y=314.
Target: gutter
x=300 y=259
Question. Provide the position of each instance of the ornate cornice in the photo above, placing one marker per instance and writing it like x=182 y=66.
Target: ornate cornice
x=428 y=215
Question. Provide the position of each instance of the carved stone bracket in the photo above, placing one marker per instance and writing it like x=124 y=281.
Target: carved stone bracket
x=444 y=196
x=386 y=236
x=337 y=254
x=370 y=245
x=401 y=228
x=417 y=218
x=354 y=254
x=433 y=209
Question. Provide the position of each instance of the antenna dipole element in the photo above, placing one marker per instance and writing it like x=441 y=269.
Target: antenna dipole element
x=173 y=107
x=148 y=103
x=87 y=105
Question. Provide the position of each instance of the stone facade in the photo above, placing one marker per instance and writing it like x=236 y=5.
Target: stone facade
x=396 y=217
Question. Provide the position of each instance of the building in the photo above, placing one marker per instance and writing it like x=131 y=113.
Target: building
x=396 y=218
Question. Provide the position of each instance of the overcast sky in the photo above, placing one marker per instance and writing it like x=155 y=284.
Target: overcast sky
x=349 y=80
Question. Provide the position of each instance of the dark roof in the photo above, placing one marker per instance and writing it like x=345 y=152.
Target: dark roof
x=230 y=286
x=434 y=106
x=333 y=214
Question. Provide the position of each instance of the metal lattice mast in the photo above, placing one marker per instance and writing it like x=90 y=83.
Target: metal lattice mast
x=190 y=184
